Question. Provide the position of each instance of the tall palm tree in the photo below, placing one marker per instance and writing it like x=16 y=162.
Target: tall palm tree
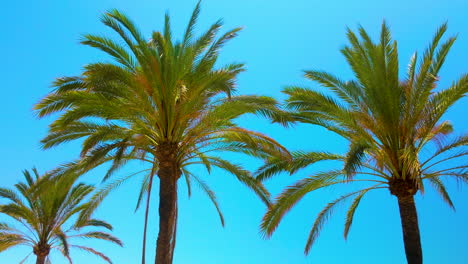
x=397 y=138
x=163 y=102
x=47 y=211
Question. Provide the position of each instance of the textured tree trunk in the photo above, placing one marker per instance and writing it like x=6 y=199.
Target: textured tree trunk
x=168 y=175
x=41 y=250
x=41 y=259
x=410 y=226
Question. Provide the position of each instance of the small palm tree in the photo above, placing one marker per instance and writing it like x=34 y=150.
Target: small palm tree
x=397 y=140
x=163 y=102
x=47 y=210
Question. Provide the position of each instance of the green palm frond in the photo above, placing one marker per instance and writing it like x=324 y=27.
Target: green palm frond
x=244 y=177
x=94 y=252
x=11 y=195
x=11 y=240
x=99 y=196
x=112 y=48
x=101 y=236
x=144 y=189
x=352 y=210
x=354 y=158
x=207 y=190
x=299 y=161
x=327 y=211
x=441 y=189
x=95 y=222
x=63 y=239
x=293 y=194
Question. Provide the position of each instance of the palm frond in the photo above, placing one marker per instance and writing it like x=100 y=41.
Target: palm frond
x=441 y=189
x=293 y=194
x=94 y=252
x=244 y=177
x=323 y=216
x=207 y=190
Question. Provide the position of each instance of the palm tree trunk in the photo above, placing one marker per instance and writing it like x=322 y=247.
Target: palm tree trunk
x=41 y=259
x=41 y=250
x=410 y=226
x=168 y=175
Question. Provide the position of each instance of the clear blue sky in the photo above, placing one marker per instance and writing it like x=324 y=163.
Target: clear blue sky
x=39 y=42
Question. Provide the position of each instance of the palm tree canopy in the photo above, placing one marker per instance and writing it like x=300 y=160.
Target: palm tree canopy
x=159 y=99
x=397 y=138
x=47 y=212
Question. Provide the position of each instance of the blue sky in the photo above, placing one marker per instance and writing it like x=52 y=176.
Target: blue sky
x=39 y=40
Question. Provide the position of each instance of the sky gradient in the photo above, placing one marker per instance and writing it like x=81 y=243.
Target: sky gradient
x=40 y=42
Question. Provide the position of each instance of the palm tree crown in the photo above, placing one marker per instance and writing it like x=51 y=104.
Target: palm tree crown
x=397 y=140
x=47 y=210
x=162 y=101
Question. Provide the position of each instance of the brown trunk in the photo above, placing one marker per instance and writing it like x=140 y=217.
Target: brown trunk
x=168 y=175
x=40 y=259
x=41 y=251
x=167 y=220
x=410 y=226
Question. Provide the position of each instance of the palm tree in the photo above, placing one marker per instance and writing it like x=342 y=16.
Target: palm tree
x=163 y=102
x=47 y=211
x=397 y=140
